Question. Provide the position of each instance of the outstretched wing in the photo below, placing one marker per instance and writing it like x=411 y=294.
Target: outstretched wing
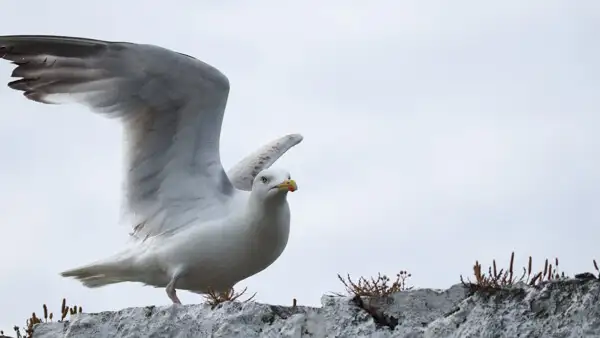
x=243 y=173
x=172 y=108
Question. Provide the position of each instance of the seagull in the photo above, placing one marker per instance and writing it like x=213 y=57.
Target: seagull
x=196 y=227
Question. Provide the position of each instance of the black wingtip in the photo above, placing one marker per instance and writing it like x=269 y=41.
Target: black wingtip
x=66 y=46
x=37 y=97
x=21 y=84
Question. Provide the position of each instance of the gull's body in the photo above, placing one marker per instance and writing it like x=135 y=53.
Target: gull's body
x=259 y=237
x=197 y=227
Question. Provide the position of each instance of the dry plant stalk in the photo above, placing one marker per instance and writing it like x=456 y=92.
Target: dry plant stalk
x=495 y=279
x=30 y=323
x=45 y=312
x=34 y=319
x=215 y=298
x=63 y=309
x=375 y=287
x=597 y=269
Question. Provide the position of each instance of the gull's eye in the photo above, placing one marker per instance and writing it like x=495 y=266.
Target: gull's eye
x=264 y=179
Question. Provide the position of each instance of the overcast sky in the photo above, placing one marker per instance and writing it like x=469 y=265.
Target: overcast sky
x=436 y=133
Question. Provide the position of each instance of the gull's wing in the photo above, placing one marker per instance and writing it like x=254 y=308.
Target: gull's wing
x=172 y=108
x=243 y=173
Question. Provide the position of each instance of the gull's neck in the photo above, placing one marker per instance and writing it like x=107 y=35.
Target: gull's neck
x=267 y=230
x=263 y=207
x=267 y=216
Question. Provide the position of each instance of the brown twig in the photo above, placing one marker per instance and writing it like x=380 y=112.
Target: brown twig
x=496 y=280
x=375 y=287
x=48 y=316
x=215 y=298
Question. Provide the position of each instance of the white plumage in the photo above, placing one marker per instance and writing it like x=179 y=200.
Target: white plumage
x=198 y=228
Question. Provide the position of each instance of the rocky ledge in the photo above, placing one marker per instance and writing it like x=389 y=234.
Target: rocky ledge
x=567 y=308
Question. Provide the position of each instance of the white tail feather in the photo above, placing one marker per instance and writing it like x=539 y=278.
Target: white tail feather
x=99 y=281
x=102 y=273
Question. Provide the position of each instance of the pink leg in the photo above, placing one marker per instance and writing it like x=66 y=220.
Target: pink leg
x=171 y=291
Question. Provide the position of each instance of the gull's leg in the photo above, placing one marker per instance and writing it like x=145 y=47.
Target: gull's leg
x=171 y=292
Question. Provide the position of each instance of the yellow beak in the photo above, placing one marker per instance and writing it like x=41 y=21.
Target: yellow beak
x=289 y=185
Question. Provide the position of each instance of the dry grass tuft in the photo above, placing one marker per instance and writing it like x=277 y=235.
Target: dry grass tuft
x=375 y=287
x=495 y=279
x=215 y=298
x=27 y=331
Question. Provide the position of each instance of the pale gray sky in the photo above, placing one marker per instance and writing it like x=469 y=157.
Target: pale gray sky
x=436 y=133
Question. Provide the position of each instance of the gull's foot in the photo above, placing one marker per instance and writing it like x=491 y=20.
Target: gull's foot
x=215 y=298
x=175 y=300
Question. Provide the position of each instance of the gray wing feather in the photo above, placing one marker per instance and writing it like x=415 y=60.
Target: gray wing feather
x=171 y=105
x=243 y=173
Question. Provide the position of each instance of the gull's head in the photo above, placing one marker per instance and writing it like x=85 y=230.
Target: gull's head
x=273 y=182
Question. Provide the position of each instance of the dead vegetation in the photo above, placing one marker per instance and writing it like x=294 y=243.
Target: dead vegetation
x=213 y=298
x=375 y=286
x=496 y=279
x=65 y=310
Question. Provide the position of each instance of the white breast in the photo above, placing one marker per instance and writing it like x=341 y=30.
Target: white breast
x=220 y=253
